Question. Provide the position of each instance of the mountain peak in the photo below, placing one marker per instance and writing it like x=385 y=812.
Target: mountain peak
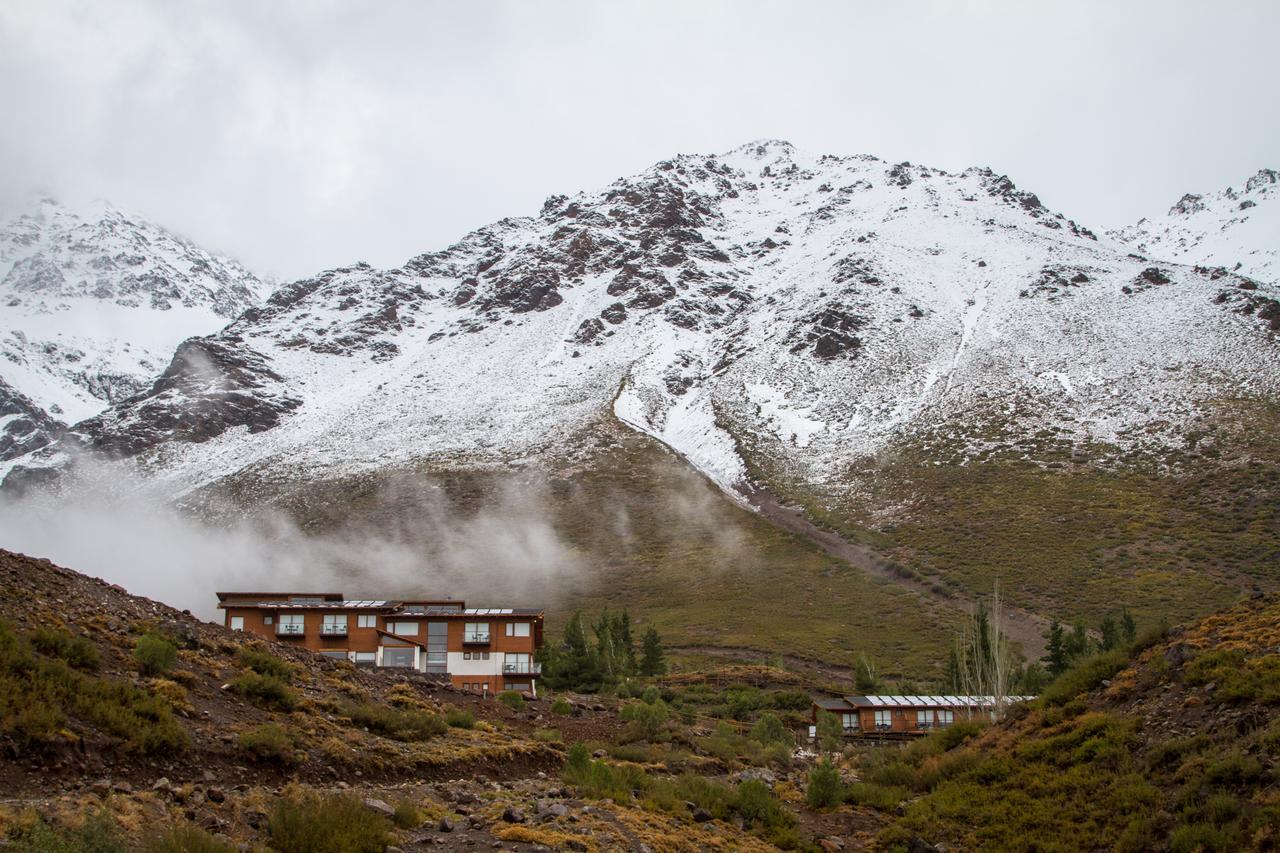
x=95 y=301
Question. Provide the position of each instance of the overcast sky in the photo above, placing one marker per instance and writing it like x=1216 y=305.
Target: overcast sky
x=299 y=136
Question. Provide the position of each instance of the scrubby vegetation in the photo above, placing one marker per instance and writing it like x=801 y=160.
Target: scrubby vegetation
x=1093 y=763
x=269 y=742
x=41 y=695
x=751 y=799
x=512 y=699
x=305 y=822
x=396 y=723
x=265 y=690
x=155 y=654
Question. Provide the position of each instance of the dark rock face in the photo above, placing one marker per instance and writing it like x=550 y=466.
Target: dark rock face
x=28 y=426
x=900 y=175
x=589 y=331
x=1153 y=275
x=615 y=313
x=830 y=333
x=521 y=291
x=1056 y=282
x=1145 y=280
x=211 y=386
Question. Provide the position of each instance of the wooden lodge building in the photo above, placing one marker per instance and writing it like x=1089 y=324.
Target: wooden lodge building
x=485 y=650
x=890 y=717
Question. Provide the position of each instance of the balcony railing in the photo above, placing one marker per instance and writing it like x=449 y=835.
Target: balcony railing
x=289 y=629
x=333 y=630
x=522 y=669
x=475 y=639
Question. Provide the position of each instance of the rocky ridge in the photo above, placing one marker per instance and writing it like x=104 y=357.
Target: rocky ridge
x=764 y=301
x=93 y=307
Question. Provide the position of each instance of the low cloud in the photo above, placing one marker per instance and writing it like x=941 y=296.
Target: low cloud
x=505 y=553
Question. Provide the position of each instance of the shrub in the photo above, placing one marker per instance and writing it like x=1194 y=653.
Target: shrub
x=791 y=700
x=824 y=786
x=742 y=700
x=547 y=735
x=407 y=815
x=76 y=651
x=578 y=759
x=715 y=797
x=769 y=730
x=155 y=655
x=883 y=797
x=263 y=662
x=1237 y=679
x=265 y=690
x=646 y=720
x=759 y=807
x=512 y=699
x=98 y=834
x=1085 y=676
x=561 y=706
x=650 y=695
x=185 y=838
x=268 y=742
x=830 y=732
x=395 y=723
x=306 y=822
x=38 y=695
x=459 y=718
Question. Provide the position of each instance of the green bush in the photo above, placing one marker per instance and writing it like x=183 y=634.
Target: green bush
x=306 y=822
x=561 y=706
x=646 y=720
x=547 y=735
x=715 y=797
x=824 y=790
x=265 y=690
x=650 y=695
x=830 y=732
x=39 y=695
x=395 y=723
x=407 y=815
x=459 y=718
x=791 y=700
x=268 y=743
x=263 y=662
x=512 y=699
x=185 y=838
x=98 y=834
x=76 y=651
x=769 y=730
x=883 y=797
x=155 y=655
x=759 y=807
x=1236 y=678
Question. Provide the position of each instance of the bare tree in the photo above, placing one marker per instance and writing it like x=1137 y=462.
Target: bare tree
x=983 y=656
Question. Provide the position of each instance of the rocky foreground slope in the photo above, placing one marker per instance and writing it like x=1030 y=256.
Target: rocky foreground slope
x=91 y=309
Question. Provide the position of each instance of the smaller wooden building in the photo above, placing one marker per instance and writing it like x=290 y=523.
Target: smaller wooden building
x=904 y=716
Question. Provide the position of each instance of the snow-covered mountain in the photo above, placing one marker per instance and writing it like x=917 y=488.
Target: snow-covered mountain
x=91 y=309
x=1237 y=228
x=763 y=303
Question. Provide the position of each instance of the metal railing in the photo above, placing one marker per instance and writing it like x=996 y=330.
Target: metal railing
x=521 y=668
x=475 y=639
x=290 y=629
x=332 y=630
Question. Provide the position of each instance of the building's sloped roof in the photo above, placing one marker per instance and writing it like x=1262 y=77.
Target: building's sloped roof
x=832 y=704
x=929 y=701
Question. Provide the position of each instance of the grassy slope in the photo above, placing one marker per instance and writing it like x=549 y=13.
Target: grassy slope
x=1071 y=531
x=1178 y=746
x=647 y=533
